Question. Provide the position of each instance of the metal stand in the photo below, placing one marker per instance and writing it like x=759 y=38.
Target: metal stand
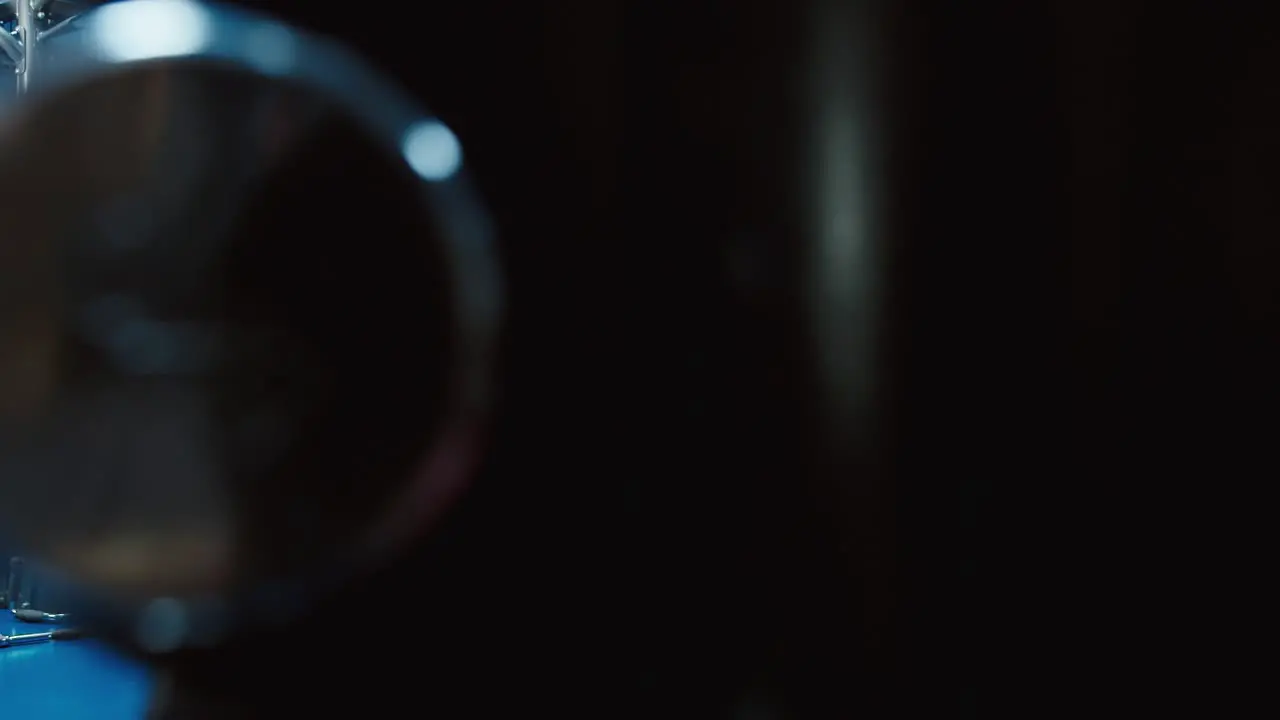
x=20 y=41
x=29 y=36
x=16 y=584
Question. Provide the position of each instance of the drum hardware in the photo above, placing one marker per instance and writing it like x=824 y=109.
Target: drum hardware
x=29 y=615
x=26 y=25
x=17 y=592
x=40 y=637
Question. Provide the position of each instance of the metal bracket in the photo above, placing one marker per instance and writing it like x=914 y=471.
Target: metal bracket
x=11 y=47
x=28 y=34
x=58 y=29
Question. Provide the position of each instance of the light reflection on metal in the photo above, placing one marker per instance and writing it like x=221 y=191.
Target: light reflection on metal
x=145 y=29
x=28 y=34
x=844 y=277
x=432 y=150
x=62 y=26
x=845 y=257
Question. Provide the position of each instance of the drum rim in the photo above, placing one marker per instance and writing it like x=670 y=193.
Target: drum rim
x=234 y=37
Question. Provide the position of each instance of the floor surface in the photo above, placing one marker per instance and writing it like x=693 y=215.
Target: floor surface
x=74 y=680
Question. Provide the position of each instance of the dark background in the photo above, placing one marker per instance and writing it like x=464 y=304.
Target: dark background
x=1078 y=307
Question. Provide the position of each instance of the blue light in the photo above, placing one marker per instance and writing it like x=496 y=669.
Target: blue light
x=144 y=29
x=432 y=150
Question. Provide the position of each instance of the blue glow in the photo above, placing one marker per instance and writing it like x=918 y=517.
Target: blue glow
x=432 y=150
x=143 y=29
x=163 y=625
x=271 y=48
